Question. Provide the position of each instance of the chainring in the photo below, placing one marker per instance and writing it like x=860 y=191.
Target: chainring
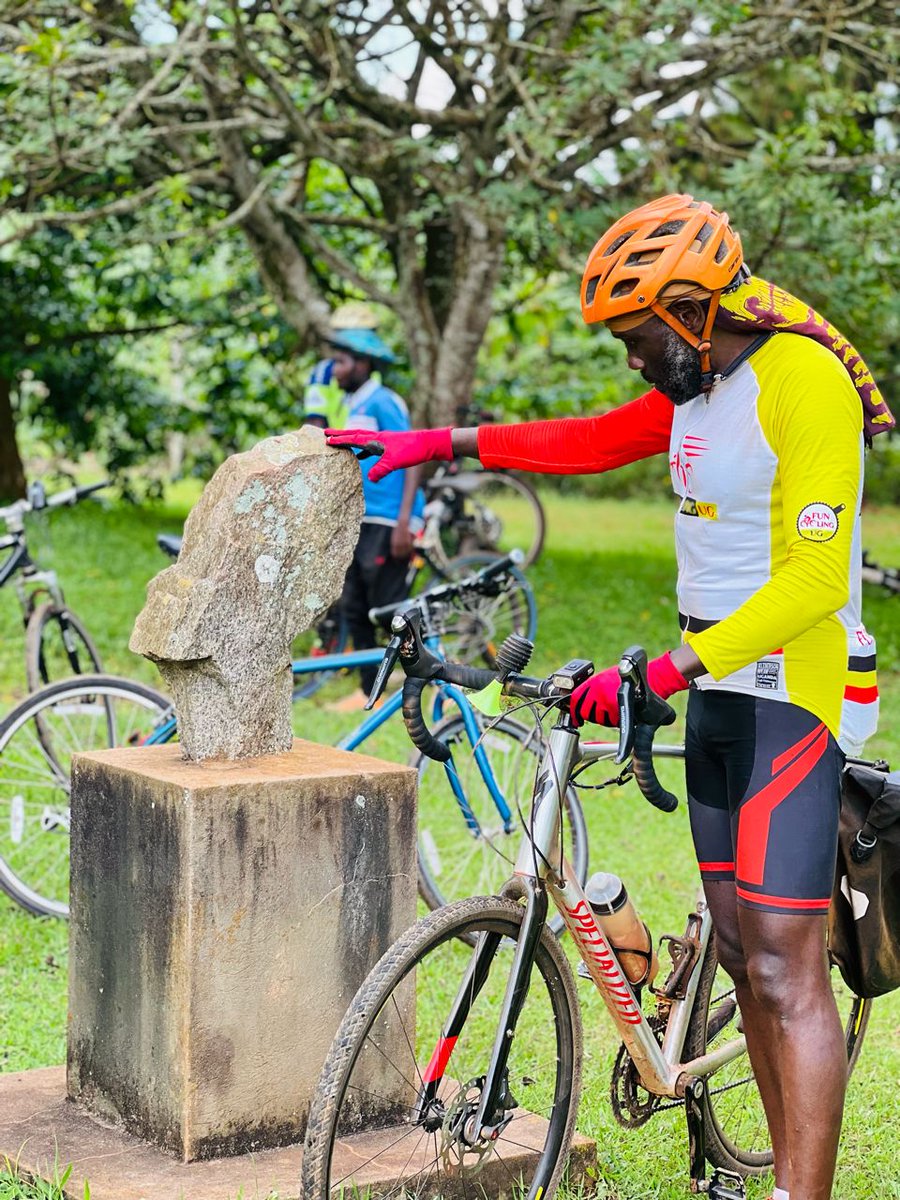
x=632 y=1104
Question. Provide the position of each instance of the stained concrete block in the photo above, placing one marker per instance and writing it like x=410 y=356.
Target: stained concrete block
x=223 y=917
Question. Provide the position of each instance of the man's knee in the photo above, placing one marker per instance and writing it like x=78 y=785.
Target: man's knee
x=783 y=984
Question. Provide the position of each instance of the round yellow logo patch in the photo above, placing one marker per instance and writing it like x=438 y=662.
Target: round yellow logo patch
x=818 y=522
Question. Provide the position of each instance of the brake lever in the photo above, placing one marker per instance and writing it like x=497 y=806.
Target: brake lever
x=387 y=664
x=631 y=696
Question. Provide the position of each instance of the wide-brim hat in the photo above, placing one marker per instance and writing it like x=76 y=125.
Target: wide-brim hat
x=362 y=342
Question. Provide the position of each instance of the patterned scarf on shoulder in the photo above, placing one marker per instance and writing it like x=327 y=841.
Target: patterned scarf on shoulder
x=756 y=304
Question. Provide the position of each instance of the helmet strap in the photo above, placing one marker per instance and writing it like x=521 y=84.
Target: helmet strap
x=701 y=344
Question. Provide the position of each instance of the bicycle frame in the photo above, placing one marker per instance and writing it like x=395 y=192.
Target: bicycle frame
x=20 y=568
x=539 y=869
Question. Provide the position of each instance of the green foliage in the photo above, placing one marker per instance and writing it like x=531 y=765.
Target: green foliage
x=14 y=1185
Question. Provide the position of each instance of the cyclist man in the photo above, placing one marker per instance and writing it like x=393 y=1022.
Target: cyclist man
x=377 y=574
x=765 y=436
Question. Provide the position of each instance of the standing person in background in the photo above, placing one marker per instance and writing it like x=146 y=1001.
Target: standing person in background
x=393 y=506
x=324 y=402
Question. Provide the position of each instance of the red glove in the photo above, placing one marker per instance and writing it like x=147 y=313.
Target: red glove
x=597 y=698
x=398 y=448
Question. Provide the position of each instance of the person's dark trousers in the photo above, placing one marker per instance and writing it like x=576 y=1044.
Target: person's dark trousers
x=374 y=578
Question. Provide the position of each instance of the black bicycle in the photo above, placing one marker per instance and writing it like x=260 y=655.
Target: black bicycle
x=886 y=577
x=56 y=642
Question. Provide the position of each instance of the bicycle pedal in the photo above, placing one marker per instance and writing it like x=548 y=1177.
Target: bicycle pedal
x=726 y=1185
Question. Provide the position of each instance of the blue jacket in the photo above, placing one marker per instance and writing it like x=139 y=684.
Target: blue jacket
x=374 y=406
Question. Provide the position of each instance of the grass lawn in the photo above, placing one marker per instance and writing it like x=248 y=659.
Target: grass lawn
x=606 y=580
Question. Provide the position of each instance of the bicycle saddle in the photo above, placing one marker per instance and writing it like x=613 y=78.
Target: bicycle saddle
x=169 y=543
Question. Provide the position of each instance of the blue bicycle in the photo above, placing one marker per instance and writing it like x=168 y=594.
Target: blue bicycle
x=468 y=806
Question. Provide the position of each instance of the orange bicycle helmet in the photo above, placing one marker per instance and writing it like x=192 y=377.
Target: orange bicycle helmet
x=673 y=240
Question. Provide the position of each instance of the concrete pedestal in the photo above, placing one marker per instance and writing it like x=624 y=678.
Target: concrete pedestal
x=223 y=916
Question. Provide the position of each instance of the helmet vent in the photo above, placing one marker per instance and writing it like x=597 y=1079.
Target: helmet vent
x=591 y=290
x=667 y=229
x=642 y=257
x=619 y=241
x=624 y=288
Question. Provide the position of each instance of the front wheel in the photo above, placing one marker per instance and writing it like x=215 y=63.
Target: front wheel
x=475 y=624
x=37 y=742
x=57 y=645
x=465 y=846
x=737 y=1136
x=393 y=1103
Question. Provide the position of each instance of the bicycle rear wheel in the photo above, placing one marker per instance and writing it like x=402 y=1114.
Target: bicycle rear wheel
x=464 y=846
x=737 y=1137
x=37 y=741
x=372 y=1129
x=474 y=625
x=497 y=512
x=57 y=646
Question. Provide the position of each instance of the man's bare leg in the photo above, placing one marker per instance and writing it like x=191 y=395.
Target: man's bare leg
x=794 y=1035
x=758 y=1027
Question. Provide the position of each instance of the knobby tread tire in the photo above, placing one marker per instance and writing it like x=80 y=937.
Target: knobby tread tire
x=383 y=977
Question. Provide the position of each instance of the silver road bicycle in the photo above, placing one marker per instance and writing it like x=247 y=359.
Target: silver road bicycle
x=457 y=1068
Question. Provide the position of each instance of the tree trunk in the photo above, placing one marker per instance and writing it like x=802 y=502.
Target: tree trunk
x=479 y=263
x=12 y=473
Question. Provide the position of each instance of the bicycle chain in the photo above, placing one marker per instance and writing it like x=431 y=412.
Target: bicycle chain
x=629 y=1109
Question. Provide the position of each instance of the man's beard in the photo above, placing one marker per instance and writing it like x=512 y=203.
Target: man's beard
x=680 y=376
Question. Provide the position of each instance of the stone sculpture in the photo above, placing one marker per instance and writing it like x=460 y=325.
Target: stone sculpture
x=265 y=552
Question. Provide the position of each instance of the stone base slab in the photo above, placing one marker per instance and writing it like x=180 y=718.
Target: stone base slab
x=45 y=1132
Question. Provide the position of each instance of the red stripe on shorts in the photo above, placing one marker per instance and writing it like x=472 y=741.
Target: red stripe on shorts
x=784 y=901
x=756 y=813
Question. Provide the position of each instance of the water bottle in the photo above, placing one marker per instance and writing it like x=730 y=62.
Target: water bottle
x=623 y=928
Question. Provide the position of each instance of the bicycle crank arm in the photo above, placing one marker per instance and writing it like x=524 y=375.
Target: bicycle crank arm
x=724 y=1185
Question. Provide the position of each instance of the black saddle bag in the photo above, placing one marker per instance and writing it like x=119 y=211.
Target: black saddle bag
x=864 y=918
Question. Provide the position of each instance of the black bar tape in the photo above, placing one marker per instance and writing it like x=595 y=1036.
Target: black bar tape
x=645 y=772
x=419 y=733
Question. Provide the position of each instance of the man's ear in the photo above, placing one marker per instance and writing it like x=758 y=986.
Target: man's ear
x=690 y=313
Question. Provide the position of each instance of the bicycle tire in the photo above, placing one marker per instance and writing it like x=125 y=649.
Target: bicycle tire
x=34 y=841
x=478 y=624
x=482 y=529
x=434 y=950
x=40 y=665
x=444 y=838
x=723 y=1148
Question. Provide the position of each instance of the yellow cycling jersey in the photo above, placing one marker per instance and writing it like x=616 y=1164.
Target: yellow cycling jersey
x=768 y=471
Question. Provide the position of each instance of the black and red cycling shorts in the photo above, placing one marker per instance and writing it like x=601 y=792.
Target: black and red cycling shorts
x=763 y=782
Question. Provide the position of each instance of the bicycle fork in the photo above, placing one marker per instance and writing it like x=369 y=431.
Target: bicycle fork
x=488 y=1119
